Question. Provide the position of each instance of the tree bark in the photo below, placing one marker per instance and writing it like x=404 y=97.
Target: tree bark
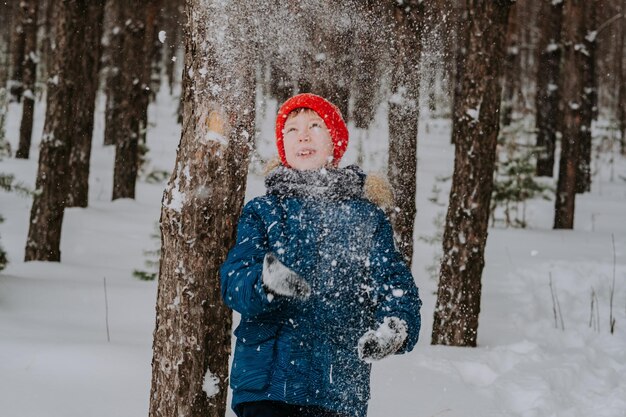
x=199 y=213
x=113 y=58
x=512 y=68
x=621 y=105
x=366 y=73
x=548 y=94
x=46 y=216
x=573 y=79
x=589 y=102
x=85 y=104
x=130 y=104
x=6 y=17
x=29 y=75
x=460 y=17
x=17 y=45
x=403 y=121
x=475 y=137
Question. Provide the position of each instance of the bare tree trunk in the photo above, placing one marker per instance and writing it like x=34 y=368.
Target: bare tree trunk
x=29 y=74
x=460 y=18
x=46 y=216
x=199 y=213
x=511 y=79
x=589 y=102
x=548 y=92
x=130 y=106
x=6 y=17
x=113 y=54
x=17 y=44
x=573 y=77
x=403 y=121
x=465 y=236
x=173 y=24
x=366 y=73
x=85 y=104
x=621 y=105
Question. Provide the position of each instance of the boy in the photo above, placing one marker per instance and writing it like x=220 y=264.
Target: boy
x=321 y=289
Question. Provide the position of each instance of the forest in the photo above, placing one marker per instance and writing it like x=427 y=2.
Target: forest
x=133 y=133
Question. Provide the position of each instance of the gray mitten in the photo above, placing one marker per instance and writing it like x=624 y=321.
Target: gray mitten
x=386 y=340
x=280 y=280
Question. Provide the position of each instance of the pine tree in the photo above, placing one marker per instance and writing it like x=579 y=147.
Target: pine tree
x=403 y=119
x=46 y=216
x=475 y=138
x=199 y=213
x=131 y=105
x=575 y=12
x=548 y=93
x=85 y=104
x=28 y=73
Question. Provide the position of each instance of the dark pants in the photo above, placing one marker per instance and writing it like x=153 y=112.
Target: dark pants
x=281 y=409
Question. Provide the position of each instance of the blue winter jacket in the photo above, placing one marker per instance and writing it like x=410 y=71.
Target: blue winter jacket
x=322 y=226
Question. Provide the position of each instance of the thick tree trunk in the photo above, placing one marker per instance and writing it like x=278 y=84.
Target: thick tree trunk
x=46 y=216
x=475 y=137
x=85 y=104
x=575 y=12
x=199 y=214
x=29 y=74
x=589 y=102
x=403 y=119
x=548 y=94
x=130 y=106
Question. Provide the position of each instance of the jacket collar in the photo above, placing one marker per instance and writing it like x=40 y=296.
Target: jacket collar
x=325 y=183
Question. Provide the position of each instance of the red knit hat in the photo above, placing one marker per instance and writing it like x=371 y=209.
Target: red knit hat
x=326 y=110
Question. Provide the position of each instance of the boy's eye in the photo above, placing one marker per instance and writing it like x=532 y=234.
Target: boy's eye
x=315 y=124
x=290 y=129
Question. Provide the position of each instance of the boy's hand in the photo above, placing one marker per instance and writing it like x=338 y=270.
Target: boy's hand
x=280 y=280
x=385 y=341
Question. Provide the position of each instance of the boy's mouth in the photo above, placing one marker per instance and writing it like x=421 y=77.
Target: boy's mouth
x=306 y=152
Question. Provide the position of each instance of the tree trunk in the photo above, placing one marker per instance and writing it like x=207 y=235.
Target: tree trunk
x=130 y=106
x=85 y=104
x=512 y=69
x=199 y=213
x=589 y=102
x=460 y=17
x=6 y=17
x=366 y=76
x=17 y=44
x=548 y=94
x=573 y=76
x=29 y=74
x=46 y=216
x=113 y=58
x=621 y=105
x=403 y=119
x=475 y=137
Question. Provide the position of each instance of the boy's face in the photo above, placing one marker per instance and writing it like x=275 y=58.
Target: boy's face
x=307 y=141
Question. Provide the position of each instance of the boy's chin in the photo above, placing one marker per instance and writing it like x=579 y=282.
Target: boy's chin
x=308 y=165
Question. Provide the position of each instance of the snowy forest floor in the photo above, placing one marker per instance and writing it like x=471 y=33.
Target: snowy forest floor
x=55 y=359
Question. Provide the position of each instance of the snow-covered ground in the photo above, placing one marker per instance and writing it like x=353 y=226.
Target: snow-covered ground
x=55 y=359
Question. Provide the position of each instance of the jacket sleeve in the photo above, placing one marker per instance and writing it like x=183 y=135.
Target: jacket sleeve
x=241 y=282
x=397 y=294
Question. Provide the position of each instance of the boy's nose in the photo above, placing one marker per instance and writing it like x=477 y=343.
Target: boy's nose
x=304 y=137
